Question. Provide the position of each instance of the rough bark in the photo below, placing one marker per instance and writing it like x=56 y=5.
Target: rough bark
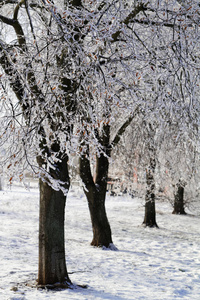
x=95 y=189
x=101 y=228
x=179 y=200
x=52 y=265
x=95 y=192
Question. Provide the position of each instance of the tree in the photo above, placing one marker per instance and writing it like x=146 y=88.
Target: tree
x=111 y=94
x=140 y=157
x=179 y=167
x=150 y=212
x=95 y=186
x=179 y=199
x=37 y=120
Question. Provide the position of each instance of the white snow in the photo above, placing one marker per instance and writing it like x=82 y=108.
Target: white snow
x=153 y=264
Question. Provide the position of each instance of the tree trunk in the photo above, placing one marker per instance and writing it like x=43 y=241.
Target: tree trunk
x=96 y=194
x=150 y=211
x=100 y=224
x=52 y=265
x=1 y=183
x=179 y=200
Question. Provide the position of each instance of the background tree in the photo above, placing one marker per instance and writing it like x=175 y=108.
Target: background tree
x=113 y=96
x=178 y=167
x=179 y=199
x=170 y=93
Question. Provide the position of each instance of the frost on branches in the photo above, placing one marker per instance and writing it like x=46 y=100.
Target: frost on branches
x=70 y=67
x=74 y=74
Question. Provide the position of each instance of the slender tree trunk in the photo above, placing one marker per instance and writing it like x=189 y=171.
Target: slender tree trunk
x=1 y=183
x=96 y=194
x=179 y=200
x=101 y=228
x=52 y=266
x=150 y=211
x=95 y=190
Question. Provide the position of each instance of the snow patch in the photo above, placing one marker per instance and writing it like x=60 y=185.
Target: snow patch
x=150 y=264
x=110 y=247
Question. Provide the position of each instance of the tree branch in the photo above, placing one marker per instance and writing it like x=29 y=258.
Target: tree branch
x=16 y=25
x=16 y=10
x=135 y=12
x=147 y=22
x=16 y=82
x=7 y=21
x=123 y=128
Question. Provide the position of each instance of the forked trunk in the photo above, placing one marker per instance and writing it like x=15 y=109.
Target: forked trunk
x=179 y=200
x=95 y=192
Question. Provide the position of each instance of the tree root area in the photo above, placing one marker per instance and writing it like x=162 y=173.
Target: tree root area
x=61 y=286
x=150 y=225
x=56 y=286
x=109 y=246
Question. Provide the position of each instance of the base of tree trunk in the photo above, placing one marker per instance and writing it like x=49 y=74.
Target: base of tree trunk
x=61 y=286
x=179 y=205
x=151 y=225
x=103 y=240
x=102 y=235
x=179 y=213
x=111 y=247
x=150 y=212
x=56 y=286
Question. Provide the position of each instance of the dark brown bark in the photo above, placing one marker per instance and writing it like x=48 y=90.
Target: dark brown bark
x=179 y=200
x=52 y=265
x=101 y=228
x=95 y=191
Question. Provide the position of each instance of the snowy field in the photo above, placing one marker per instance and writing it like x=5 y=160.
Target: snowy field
x=151 y=264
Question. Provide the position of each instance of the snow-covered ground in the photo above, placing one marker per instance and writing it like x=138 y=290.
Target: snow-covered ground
x=153 y=264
